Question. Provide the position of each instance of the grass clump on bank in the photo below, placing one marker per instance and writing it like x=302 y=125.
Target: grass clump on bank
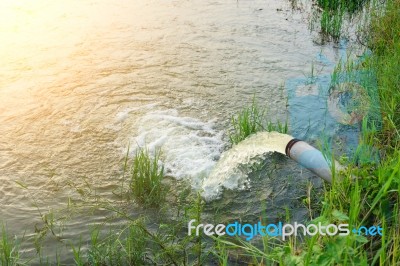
x=251 y=120
x=332 y=15
x=385 y=43
x=147 y=173
x=128 y=247
x=9 y=250
x=348 y=5
x=138 y=242
x=385 y=186
x=331 y=23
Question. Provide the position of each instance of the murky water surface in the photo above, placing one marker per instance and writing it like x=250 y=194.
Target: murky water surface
x=79 y=80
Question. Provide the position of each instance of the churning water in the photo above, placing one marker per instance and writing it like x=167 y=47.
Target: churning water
x=233 y=168
x=80 y=80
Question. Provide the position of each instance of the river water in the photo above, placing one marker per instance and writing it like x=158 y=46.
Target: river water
x=80 y=80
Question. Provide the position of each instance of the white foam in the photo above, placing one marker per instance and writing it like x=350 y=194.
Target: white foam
x=233 y=168
x=190 y=147
x=125 y=113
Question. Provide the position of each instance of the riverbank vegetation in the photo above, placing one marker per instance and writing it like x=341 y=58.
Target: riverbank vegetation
x=330 y=17
x=366 y=194
x=251 y=120
x=9 y=249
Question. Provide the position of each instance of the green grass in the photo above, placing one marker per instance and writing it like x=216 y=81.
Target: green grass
x=141 y=243
x=385 y=43
x=147 y=173
x=348 y=5
x=331 y=23
x=251 y=120
x=127 y=247
x=9 y=250
x=331 y=15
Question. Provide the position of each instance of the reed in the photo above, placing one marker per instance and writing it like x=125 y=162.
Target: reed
x=147 y=173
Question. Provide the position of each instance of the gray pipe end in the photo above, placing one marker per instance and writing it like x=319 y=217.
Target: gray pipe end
x=290 y=145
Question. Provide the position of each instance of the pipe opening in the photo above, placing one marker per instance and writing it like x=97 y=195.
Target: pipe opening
x=290 y=145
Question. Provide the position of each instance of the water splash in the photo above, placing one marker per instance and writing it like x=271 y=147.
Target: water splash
x=189 y=146
x=231 y=171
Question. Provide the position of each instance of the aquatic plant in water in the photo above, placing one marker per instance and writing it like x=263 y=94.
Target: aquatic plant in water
x=147 y=173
